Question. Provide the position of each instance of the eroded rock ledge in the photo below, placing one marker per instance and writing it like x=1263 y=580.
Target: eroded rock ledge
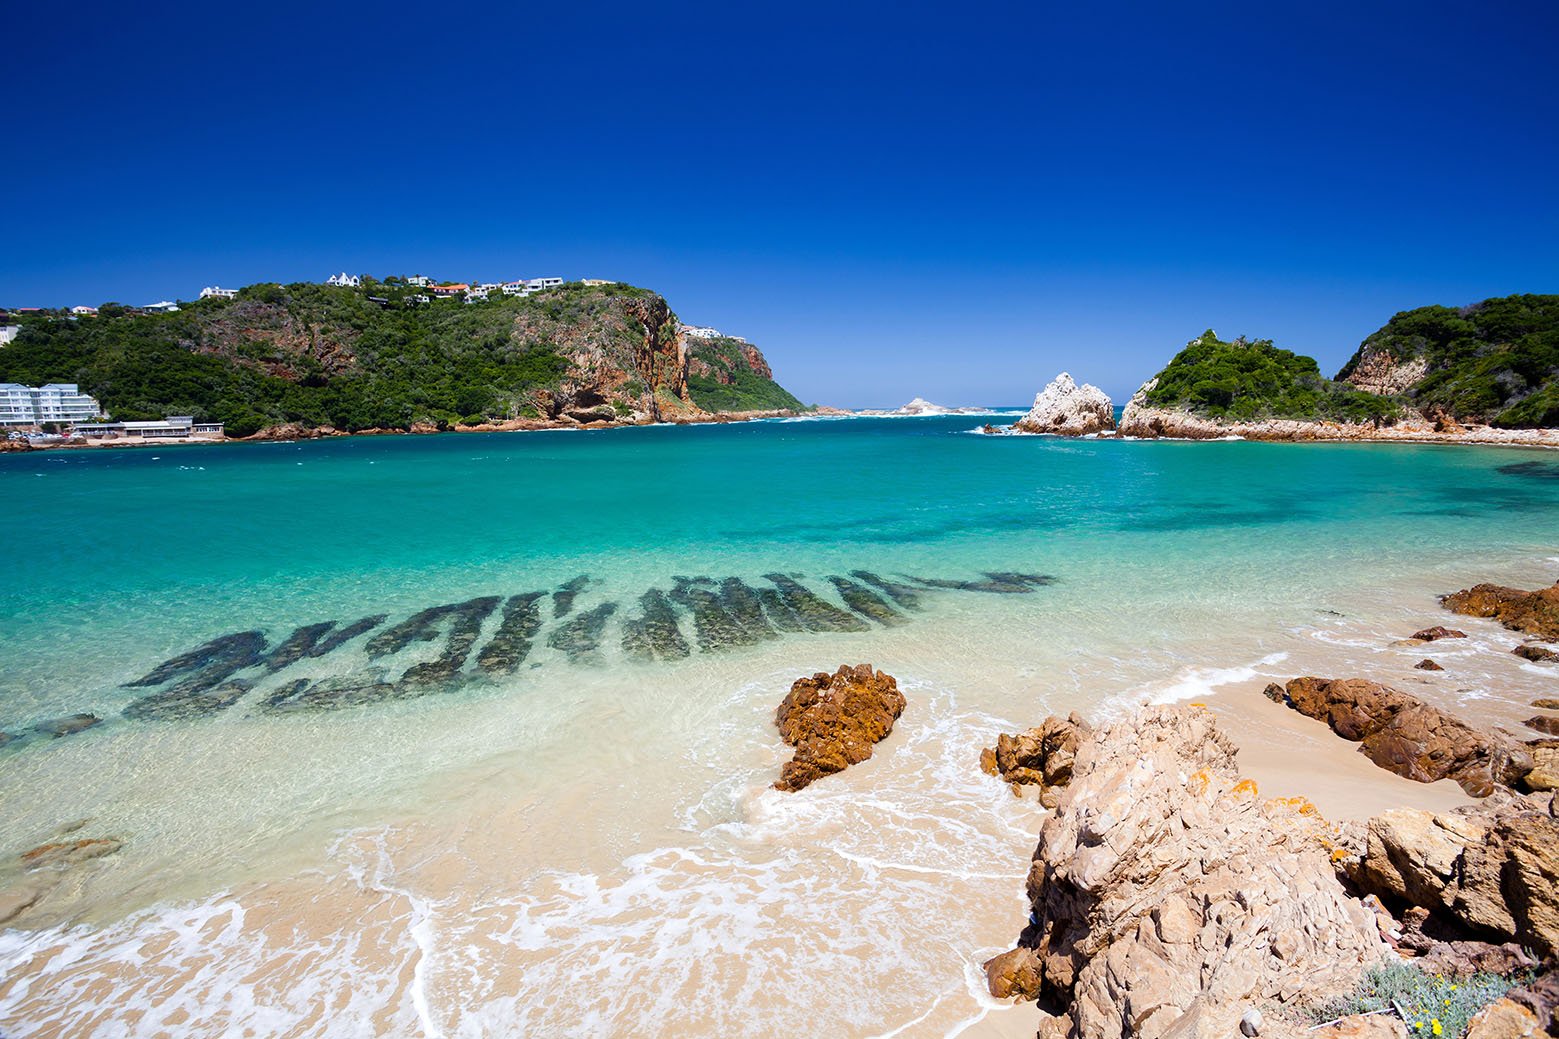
x=1169 y=898
x=1067 y=409
x=1402 y=734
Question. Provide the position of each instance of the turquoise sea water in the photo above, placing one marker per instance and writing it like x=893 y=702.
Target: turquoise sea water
x=998 y=577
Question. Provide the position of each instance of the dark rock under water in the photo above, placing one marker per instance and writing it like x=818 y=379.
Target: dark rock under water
x=727 y=613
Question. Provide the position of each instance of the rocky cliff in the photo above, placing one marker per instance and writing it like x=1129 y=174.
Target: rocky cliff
x=1495 y=362
x=731 y=375
x=311 y=357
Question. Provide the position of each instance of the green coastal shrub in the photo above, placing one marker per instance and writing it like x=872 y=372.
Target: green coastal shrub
x=1247 y=380
x=1433 y=1005
x=1485 y=362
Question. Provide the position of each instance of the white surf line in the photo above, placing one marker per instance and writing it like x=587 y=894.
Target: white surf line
x=421 y=931
x=901 y=1029
x=933 y=871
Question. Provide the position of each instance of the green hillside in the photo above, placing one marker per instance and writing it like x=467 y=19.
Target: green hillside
x=321 y=355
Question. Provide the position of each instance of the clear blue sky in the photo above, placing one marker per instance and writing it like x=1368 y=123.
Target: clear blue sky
x=954 y=201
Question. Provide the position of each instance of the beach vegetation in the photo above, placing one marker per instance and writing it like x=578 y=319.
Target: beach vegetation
x=1430 y=1004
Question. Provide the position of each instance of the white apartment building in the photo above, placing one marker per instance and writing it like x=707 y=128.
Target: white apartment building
x=422 y=281
x=701 y=331
x=537 y=284
x=57 y=402
x=350 y=281
x=217 y=292
x=8 y=333
x=515 y=288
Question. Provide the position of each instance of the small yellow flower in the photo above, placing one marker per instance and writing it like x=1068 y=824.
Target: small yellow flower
x=1448 y=1002
x=1436 y=1023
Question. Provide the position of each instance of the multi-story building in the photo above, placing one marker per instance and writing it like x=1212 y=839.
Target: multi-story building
x=422 y=281
x=57 y=402
x=217 y=292
x=701 y=331
x=8 y=333
x=537 y=284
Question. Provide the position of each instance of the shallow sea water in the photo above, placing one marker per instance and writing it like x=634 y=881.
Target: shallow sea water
x=583 y=842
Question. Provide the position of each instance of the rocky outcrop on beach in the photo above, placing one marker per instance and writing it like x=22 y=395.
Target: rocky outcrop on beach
x=1436 y=633
x=57 y=864
x=1041 y=756
x=1168 y=898
x=1067 y=409
x=1404 y=735
x=1489 y=871
x=833 y=721
x=1533 y=613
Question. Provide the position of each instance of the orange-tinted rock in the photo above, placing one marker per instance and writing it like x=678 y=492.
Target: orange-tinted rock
x=1546 y=724
x=1535 y=653
x=1015 y=973
x=1407 y=736
x=1536 y=613
x=1041 y=756
x=1428 y=665
x=834 y=720
x=1437 y=632
x=69 y=853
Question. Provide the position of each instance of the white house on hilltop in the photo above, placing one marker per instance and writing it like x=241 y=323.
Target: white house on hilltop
x=422 y=281
x=165 y=307
x=344 y=279
x=84 y=311
x=217 y=292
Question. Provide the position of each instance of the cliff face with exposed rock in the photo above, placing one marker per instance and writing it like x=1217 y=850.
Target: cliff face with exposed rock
x=1495 y=362
x=1067 y=409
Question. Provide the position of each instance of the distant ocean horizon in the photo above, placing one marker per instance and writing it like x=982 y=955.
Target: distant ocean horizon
x=473 y=733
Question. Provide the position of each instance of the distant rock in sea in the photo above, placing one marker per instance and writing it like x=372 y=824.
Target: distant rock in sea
x=921 y=406
x=1068 y=409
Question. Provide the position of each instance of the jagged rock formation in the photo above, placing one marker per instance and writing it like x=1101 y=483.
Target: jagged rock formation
x=1535 y=613
x=1067 y=409
x=731 y=375
x=1168 y=898
x=1489 y=871
x=1402 y=734
x=833 y=721
x=1041 y=756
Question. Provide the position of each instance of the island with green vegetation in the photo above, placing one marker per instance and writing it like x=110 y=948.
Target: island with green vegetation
x=1489 y=372
x=1495 y=362
x=305 y=358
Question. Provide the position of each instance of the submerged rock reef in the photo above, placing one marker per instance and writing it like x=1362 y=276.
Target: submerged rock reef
x=494 y=638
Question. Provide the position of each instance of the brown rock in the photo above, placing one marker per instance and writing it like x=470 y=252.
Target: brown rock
x=1041 y=756
x=1541 y=996
x=1362 y=1026
x=64 y=854
x=69 y=725
x=1168 y=898
x=1545 y=765
x=1428 y=665
x=1546 y=724
x=1536 y=613
x=1546 y=703
x=1504 y=1019
x=833 y=721
x=1015 y=973
x=1437 y=632
x=1490 y=869
x=1404 y=735
x=1538 y=655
